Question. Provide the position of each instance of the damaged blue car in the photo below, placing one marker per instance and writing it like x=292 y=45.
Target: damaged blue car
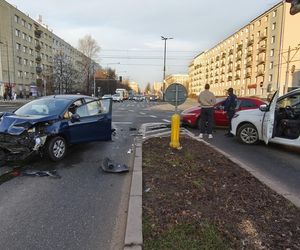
x=50 y=124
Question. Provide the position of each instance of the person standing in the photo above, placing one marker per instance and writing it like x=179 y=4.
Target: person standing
x=207 y=101
x=229 y=107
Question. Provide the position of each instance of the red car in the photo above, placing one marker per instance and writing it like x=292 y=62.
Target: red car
x=191 y=116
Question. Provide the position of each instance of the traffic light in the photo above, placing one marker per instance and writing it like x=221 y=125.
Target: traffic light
x=295 y=6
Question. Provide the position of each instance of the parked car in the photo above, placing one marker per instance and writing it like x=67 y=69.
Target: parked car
x=117 y=98
x=106 y=96
x=49 y=124
x=278 y=122
x=191 y=117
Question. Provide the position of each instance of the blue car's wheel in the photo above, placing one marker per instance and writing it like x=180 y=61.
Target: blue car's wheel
x=56 y=148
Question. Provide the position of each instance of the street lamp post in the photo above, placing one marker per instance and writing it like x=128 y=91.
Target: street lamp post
x=8 y=70
x=165 y=53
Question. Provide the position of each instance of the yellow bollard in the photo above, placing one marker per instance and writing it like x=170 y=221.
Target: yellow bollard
x=175 y=129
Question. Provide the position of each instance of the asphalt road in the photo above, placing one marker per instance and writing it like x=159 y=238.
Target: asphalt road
x=84 y=209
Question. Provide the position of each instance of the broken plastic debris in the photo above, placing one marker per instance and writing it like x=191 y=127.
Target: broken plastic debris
x=50 y=173
x=112 y=167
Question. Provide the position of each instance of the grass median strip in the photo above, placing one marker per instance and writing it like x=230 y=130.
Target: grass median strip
x=198 y=199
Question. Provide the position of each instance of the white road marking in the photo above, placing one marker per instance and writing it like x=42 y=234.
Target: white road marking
x=165 y=120
x=122 y=122
x=142 y=113
x=153 y=116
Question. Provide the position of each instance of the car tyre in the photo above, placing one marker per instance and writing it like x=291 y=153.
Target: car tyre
x=56 y=148
x=248 y=134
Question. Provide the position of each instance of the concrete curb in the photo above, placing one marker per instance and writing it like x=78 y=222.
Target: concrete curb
x=134 y=227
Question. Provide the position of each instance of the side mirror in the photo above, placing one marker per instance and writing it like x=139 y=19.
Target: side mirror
x=263 y=107
x=75 y=118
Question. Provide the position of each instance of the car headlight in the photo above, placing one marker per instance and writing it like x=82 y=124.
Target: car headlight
x=235 y=115
x=31 y=130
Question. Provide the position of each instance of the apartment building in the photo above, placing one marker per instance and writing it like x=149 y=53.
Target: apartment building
x=258 y=59
x=178 y=78
x=27 y=50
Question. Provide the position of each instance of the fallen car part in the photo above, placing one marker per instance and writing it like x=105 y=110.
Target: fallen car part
x=112 y=167
x=50 y=173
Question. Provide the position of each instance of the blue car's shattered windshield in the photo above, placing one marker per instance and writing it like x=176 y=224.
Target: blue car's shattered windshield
x=51 y=106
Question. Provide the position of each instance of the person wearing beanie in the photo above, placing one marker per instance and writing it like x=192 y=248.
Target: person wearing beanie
x=229 y=107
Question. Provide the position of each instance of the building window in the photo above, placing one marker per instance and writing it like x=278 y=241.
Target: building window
x=266 y=18
x=25 y=62
x=273 y=39
x=32 y=75
x=274 y=13
x=24 y=49
x=23 y=22
x=31 y=63
x=17 y=18
x=272 y=52
x=23 y=36
x=17 y=32
x=18 y=46
x=31 y=51
x=29 y=39
x=258 y=33
x=271 y=65
x=259 y=23
x=273 y=26
x=19 y=73
x=19 y=60
x=270 y=78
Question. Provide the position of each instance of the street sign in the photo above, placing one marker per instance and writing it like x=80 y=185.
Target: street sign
x=175 y=94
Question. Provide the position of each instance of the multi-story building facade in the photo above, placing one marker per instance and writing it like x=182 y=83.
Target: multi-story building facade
x=261 y=57
x=27 y=50
x=134 y=86
x=178 y=78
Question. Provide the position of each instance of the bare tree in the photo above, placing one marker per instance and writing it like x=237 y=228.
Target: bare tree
x=89 y=47
x=64 y=74
x=148 y=88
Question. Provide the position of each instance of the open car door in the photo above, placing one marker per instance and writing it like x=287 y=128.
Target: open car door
x=268 y=119
x=93 y=122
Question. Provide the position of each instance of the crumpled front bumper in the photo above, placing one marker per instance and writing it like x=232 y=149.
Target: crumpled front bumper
x=18 y=147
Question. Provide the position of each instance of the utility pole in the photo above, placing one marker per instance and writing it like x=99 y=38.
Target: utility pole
x=287 y=72
x=165 y=54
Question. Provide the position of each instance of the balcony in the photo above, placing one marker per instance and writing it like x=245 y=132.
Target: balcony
x=230 y=61
x=223 y=55
x=250 y=42
x=231 y=52
x=261 y=61
x=38 y=33
x=218 y=58
x=38 y=59
x=239 y=57
x=229 y=78
x=230 y=69
x=261 y=50
x=248 y=75
x=38 y=47
x=260 y=73
x=222 y=64
x=238 y=67
x=262 y=37
x=239 y=47
x=222 y=72
x=38 y=70
x=237 y=77
x=249 y=53
x=216 y=81
x=249 y=64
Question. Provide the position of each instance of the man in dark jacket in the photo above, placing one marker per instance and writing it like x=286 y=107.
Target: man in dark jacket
x=229 y=107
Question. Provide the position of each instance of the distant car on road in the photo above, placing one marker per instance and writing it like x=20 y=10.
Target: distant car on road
x=107 y=96
x=117 y=98
x=191 y=117
x=49 y=124
x=139 y=98
x=278 y=122
x=153 y=98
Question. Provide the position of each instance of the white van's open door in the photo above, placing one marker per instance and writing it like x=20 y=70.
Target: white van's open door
x=268 y=120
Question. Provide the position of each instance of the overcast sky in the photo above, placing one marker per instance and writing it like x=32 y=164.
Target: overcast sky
x=129 y=31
